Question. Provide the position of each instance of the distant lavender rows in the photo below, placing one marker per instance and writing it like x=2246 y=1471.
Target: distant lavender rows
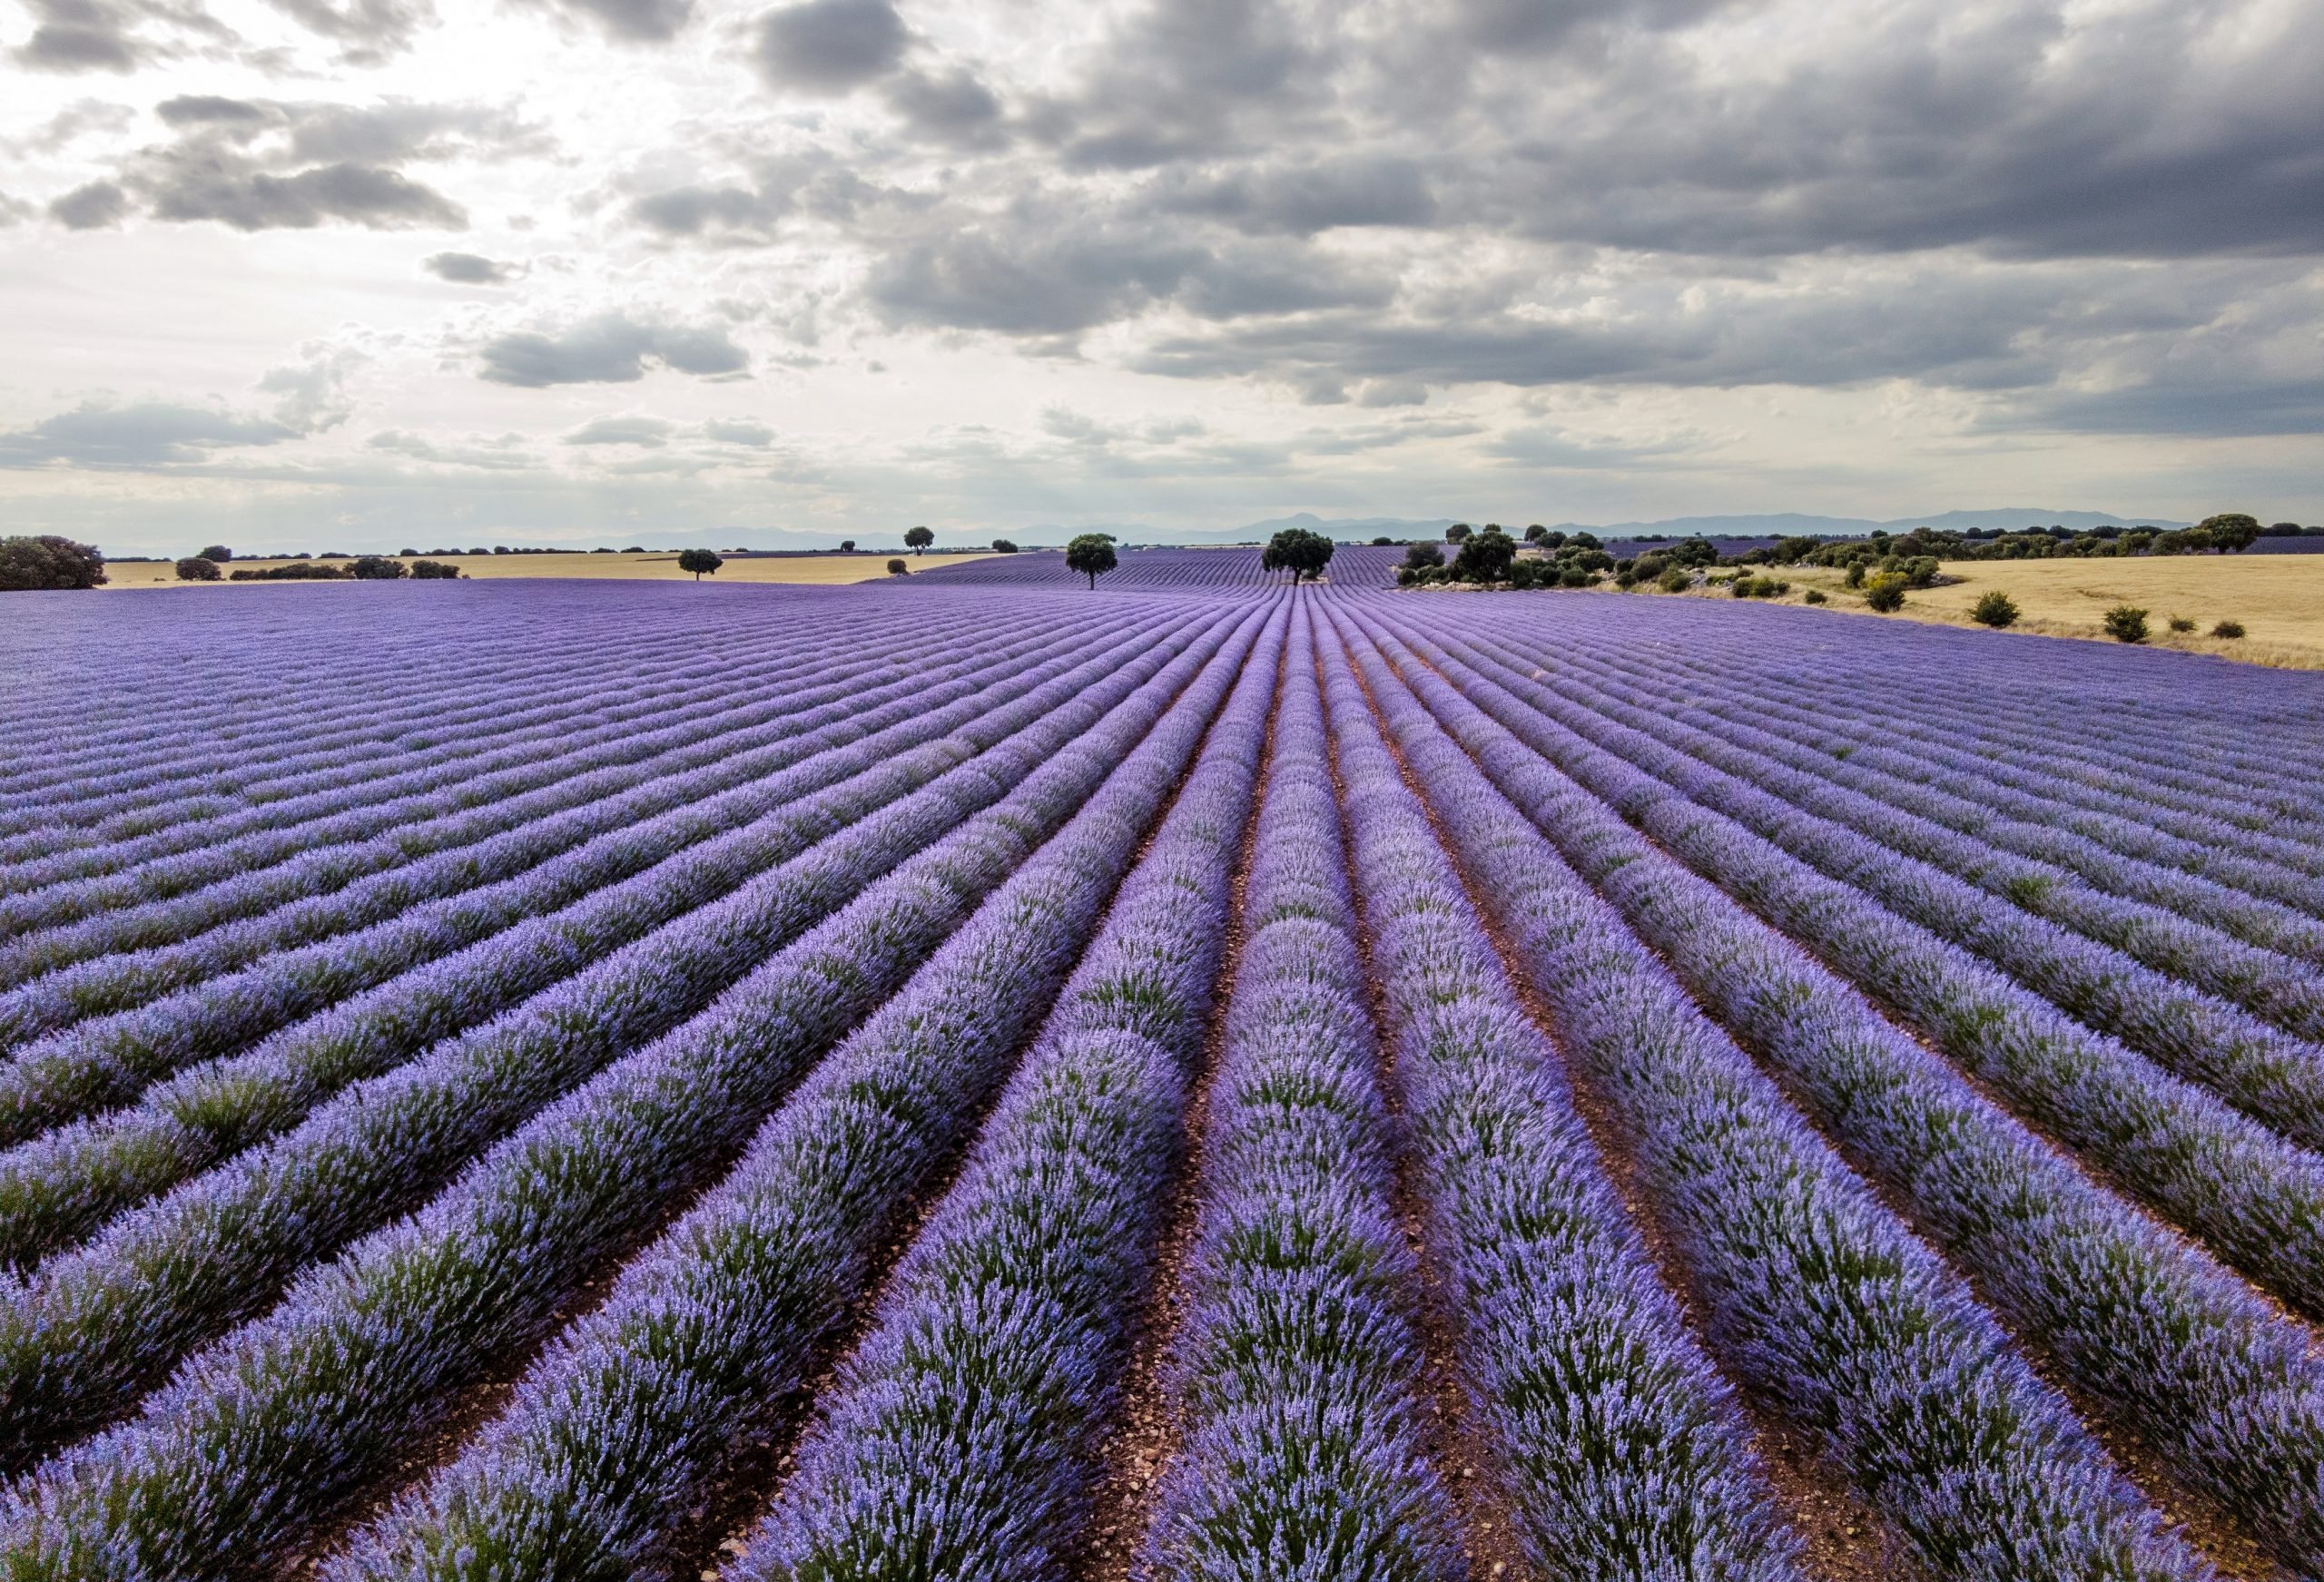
x=1946 y=1114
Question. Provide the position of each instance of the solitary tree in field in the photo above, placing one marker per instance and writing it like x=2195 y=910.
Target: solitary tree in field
x=847 y=546
x=1298 y=551
x=1091 y=554
x=198 y=568
x=1995 y=609
x=918 y=540
x=219 y=553
x=1003 y=546
x=699 y=561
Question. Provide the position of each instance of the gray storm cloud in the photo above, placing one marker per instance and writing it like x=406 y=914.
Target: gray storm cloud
x=610 y=349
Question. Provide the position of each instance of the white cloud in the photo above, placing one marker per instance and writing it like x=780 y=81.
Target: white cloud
x=1177 y=261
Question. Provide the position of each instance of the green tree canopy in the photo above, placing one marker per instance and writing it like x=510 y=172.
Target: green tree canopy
x=2232 y=531
x=1485 y=557
x=49 y=562
x=1298 y=551
x=1091 y=554
x=918 y=540
x=699 y=561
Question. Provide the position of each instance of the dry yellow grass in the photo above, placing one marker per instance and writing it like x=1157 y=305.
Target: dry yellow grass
x=2279 y=599
x=654 y=566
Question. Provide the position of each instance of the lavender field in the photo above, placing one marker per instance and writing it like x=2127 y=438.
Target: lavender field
x=974 y=1079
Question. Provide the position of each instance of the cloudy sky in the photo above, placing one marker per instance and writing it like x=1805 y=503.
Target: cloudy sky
x=362 y=273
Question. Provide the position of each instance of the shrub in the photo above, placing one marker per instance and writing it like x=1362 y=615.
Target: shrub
x=898 y=568
x=199 y=568
x=1995 y=609
x=1383 y=542
x=1485 y=557
x=377 y=568
x=218 y=553
x=1813 y=597
x=437 y=571
x=2182 y=624
x=1421 y=555
x=2227 y=629
x=2126 y=624
x=918 y=540
x=1885 y=593
x=699 y=562
x=1678 y=579
x=48 y=562
x=297 y=571
x=1091 y=554
x=1856 y=574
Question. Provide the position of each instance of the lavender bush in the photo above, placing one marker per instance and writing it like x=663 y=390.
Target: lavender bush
x=1297 y=1378
x=95 y=1330
x=139 y=963
x=620 y=1426
x=2255 y=1198
x=961 y=1432
x=2216 y=1380
x=63 y=1182
x=1818 y=1296
x=106 y=1060
x=1618 y=1443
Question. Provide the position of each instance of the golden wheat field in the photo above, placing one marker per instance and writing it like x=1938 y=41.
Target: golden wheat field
x=2279 y=598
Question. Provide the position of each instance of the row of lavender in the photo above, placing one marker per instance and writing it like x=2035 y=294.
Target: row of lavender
x=1559 y=866
x=145 y=689
x=2165 y=1340
x=96 y=1327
